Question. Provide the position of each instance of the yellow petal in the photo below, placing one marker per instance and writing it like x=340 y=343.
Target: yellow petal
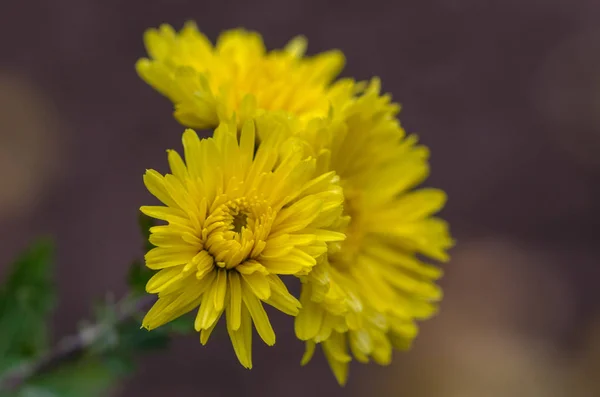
x=327 y=327
x=247 y=109
x=389 y=254
x=308 y=322
x=171 y=306
x=296 y=46
x=296 y=261
x=234 y=311
x=382 y=352
x=177 y=165
x=361 y=341
x=157 y=41
x=280 y=298
x=339 y=368
x=181 y=196
x=156 y=185
x=428 y=236
x=172 y=215
x=416 y=205
x=411 y=284
x=251 y=266
x=205 y=333
x=327 y=235
x=335 y=350
x=170 y=240
x=160 y=257
x=198 y=113
x=220 y=287
x=163 y=279
x=297 y=216
x=192 y=147
x=204 y=263
x=258 y=284
x=156 y=74
x=172 y=229
x=241 y=339
x=302 y=239
x=308 y=352
x=259 y=316
x=207 y=314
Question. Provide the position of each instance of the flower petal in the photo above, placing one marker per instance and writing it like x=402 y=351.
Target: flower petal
x=259 y=316
x=241 y=339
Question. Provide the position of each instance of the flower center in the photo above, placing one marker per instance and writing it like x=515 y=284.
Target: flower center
x=239 y=221
x=236 y=230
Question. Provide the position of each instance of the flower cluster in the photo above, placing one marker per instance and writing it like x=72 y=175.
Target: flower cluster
x=305 y=176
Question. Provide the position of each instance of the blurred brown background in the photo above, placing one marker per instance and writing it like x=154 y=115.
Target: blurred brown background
x=505 y=93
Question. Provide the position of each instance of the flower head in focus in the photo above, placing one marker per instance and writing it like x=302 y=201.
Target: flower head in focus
x=209 y=83
x=363 y=298
x=237 y=218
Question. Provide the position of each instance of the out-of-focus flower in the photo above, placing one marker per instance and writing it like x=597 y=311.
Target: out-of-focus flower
x=364 y=296
x=237 y=219
x=208 y=84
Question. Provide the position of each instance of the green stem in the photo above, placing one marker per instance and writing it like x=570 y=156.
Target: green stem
x=72 y=346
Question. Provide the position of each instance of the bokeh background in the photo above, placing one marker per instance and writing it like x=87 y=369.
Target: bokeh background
x=505 y=93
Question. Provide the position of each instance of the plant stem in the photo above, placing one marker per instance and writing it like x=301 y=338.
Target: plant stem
x=72 y=346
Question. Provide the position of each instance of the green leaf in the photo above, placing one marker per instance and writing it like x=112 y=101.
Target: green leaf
x=26 y=300
x=126 y=337
x=138 y=277
x=120 y=363
x=89 y=377
x=138 y=273
x=132 y=338
x=183 y=325
x=145 y=223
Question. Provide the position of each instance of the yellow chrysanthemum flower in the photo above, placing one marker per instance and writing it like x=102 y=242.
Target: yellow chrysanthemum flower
x=363 y=298
x=237 y=219
x=208 y=84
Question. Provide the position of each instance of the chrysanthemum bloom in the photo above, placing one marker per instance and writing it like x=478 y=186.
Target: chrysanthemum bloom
x=208 y=84
x=236 y=221
x=363 y=298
